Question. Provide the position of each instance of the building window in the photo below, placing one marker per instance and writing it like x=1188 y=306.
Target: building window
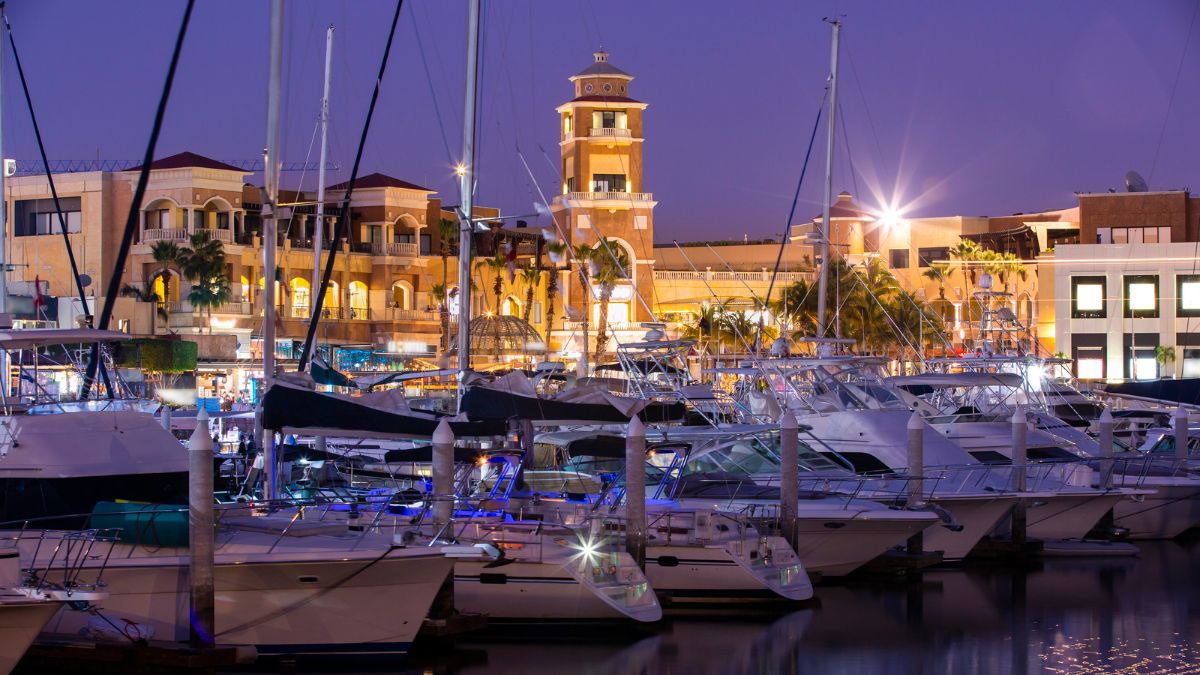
x=609 y=119
x=1133 y=235
x=1087 y=297
x=608 y=182
x=426 y=244
x=641 y=222
x=583 y=221
x=37 y=216
x=1191 y=363
x=898 y=258
x=567 y=124
x=1141 y=363
x=1141 y=296
x=1089 y=363
x=1187 y=295
x=928 y=256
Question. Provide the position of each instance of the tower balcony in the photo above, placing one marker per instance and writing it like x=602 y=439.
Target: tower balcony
x=610 y=137
x=606 y=200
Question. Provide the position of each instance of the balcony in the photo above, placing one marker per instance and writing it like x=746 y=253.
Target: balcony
x=398 y=249
x=175 y=234
x=607 y=200
x=610 y=137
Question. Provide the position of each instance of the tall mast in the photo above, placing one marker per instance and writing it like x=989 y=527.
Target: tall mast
x=466 y=173
x=270 y=227
x=271 y=178
x=830 y=127
x=3 y=205
x=319 y=232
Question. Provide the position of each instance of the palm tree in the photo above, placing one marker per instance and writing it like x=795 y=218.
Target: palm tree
x=1164 y=354
x=939 y=273
x=557 y=251
x=967 y=251
x=494 y=265
x=797 y=306
x=441 y=301
x=531 y=276
x=705 y=327
x=204 y=265
x=167 y=255
x=610 y=265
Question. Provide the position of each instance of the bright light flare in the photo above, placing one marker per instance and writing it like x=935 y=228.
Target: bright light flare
x=460 y=170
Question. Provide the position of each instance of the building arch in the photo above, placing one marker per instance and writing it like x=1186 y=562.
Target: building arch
x=301 y=291
x=358 y=300
x=160 y=214
x=166 y=289
x=510 y=306
x=402 y=294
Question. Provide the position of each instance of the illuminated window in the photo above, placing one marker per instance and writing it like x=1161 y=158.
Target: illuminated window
x=1091 y=368
x=510 y=307
x=1144 y=368
x=1191 y=363
x=1141 y=296
x=567 y=124
x=301 y=297
x=1187 y=295
x=358 y=300
x=1087 y=297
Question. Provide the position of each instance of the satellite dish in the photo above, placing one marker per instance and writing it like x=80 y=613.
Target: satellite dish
x=85 y=280
x=1135 y=183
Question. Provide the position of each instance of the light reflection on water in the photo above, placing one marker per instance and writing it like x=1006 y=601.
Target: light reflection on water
x=1136 y=615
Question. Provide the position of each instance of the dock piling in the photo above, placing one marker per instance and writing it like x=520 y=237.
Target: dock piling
x=202 y=614
x=635 y=491
x=789 y=491
x=443 y=475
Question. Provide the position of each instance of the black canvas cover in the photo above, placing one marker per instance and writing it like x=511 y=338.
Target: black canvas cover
x=1186 y=390
x=492 y=404
x=288 y=407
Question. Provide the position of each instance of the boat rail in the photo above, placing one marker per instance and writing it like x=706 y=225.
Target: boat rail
x=67 y=573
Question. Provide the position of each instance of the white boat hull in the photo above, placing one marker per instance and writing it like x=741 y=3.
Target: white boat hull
x=978 y=516
x=20 y=622
x=837 y=546
x=1173 y=509
x=366 y=605
x=723 y=571
x=1067 y=515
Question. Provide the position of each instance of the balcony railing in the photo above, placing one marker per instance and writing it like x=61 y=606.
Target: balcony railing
x=609 y=133
x=169 y=234
x=709 y=275
x=398 y=314
x=618 y=196
x=395 y=248
x=578 y=325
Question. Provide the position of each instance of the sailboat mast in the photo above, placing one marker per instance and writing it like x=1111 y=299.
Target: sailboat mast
x=271 y=179
x=4 y=202
x=830 y=127
x=466 y=172
x=319 y=231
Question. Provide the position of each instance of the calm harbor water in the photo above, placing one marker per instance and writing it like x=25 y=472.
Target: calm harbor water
x=1135 y=615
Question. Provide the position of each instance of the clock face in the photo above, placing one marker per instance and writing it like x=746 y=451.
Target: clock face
x=588 y=88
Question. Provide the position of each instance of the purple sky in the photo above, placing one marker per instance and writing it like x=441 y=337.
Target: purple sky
x=969 y=108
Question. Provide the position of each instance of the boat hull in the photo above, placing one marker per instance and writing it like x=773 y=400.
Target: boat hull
x=836 y=546
x=20 y=623
x=365 y=605
x=978 y=516
x=1067 y=515
x=1173 y=509
x=707 y=573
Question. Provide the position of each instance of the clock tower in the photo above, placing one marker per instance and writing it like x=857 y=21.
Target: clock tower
x=602 y=193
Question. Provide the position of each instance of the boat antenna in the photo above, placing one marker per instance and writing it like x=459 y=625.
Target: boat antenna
x=131 y=221
x=831 y=129
x=340 y=229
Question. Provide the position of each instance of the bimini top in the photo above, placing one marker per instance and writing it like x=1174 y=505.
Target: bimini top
x=949 y=380
x=41 y=337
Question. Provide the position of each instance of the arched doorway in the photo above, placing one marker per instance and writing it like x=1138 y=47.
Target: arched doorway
x=301 y=297
x=402 y=294
x=358 y=300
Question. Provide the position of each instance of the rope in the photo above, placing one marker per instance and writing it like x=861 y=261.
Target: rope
x=131 y=221
x=340 y=230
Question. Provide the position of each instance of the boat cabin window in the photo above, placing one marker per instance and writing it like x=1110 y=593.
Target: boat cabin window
x=861 y=462
x=990 y=457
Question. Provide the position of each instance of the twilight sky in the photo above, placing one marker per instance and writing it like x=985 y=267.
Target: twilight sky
x=949 y=107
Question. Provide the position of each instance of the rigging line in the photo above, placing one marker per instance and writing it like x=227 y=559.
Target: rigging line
x=849 y=155
x=787 y=225
x=340 y=229
x=1174 y=85
x=866 y=108
x=433 y=97
x=62 y=224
